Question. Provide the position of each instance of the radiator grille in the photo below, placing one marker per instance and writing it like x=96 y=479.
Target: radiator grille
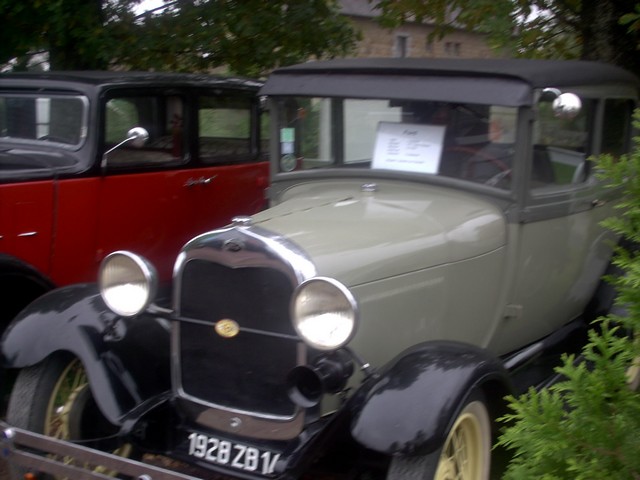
x=246 y=372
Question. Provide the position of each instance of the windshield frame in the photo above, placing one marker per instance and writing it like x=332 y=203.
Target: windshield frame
x=285 y=140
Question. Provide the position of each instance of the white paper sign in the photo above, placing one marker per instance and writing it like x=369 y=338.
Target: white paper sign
x=408 y=147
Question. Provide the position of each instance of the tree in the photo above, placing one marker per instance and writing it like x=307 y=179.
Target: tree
x=586 y=29
x=249 y=37
x=76 y=34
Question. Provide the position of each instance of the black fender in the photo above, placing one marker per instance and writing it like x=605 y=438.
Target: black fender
x=411 y=405
x=126 y=360
x=20 y=283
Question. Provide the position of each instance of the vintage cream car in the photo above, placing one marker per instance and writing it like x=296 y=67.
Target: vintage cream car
x=433 y=243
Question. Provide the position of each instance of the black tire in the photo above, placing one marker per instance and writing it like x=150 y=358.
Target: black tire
x=54 y=398
x=471 y=430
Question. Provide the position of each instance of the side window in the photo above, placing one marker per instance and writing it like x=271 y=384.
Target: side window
x=561 y=146
x=46 y=118
x=225 y=129
x=616 y=128
x=161 y=116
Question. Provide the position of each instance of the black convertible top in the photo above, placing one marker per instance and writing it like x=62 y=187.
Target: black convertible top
x=498 y=81
x=538 y=73
x=100 y=79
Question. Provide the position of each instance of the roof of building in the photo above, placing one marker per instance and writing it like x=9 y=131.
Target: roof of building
x=358 y=8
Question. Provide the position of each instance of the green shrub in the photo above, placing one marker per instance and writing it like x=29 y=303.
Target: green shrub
x=588 y=425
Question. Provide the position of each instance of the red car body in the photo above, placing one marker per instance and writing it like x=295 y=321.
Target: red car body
x=69 y=199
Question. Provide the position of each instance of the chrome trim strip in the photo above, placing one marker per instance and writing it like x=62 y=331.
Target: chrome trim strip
x=276 y=250
x=242 y=329
x=241 y=245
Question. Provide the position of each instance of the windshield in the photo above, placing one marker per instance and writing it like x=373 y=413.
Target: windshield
x=467 y=141
x=44 y=119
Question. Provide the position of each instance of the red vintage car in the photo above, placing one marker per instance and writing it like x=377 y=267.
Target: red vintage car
x=92 y=162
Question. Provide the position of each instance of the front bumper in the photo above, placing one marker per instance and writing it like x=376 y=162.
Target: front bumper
x=65 y=459
x=39 y=453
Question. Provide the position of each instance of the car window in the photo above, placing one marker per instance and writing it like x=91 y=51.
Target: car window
x=465 y=141
x=225 y=126
x=59 y=119
x=617 y=126
x=560 y=146
x=161 y=116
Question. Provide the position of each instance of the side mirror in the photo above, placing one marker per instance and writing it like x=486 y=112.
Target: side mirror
x=137 y=136
x=567 y=106
x=564 y=105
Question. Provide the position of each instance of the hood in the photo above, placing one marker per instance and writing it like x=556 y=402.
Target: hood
x=357 y=236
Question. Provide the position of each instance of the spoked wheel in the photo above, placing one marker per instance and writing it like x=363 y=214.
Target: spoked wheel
x=54 y=398
x=465 y=455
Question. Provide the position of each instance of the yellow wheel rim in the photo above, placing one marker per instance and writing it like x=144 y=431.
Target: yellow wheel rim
x=465 y=455
x=73 y=380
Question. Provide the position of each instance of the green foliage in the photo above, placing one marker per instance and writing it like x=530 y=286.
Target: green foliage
x=632 y=19
x=249 y=37
x=586 y=427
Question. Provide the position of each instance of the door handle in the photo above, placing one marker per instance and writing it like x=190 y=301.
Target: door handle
x=199 y=181
x=598 y=203
x=27 y=234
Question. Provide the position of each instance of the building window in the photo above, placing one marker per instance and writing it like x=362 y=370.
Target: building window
x=452 y=49
x=402 y=45
x=428 y=46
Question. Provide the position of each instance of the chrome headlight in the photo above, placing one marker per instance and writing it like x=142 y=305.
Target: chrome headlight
x=324 y=313
x=128 y=283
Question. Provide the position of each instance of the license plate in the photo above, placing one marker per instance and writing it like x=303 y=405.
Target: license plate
x=232 y=454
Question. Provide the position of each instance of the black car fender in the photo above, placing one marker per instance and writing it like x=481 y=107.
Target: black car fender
x=20 y=283
x=411 y=405
x=126 y=360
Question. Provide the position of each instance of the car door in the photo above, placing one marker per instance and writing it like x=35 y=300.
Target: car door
x=26 y=221
x=561 y=248
x=156 y=197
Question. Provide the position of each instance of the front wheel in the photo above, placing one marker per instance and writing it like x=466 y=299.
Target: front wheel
x=53 y=398
x=465 y=454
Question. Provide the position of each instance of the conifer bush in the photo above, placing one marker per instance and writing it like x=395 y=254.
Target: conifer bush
x=588 y=425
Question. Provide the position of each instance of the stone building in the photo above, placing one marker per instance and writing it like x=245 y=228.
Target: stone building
x=410 y=39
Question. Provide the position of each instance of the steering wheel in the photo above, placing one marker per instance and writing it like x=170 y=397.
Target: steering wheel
x=477 y=155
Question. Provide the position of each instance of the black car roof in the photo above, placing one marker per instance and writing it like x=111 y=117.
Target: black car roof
x=506 y=82
x=105 y=78
x=537 y=73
